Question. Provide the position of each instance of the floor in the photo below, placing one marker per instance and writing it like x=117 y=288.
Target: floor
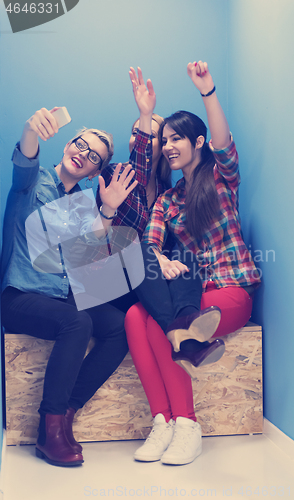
x=238 y=467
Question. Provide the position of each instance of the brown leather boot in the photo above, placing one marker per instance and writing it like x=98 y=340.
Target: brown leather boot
x=68 y=420
x=53 y=445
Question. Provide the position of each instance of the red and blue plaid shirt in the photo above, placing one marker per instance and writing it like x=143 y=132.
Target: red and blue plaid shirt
x=134 y=211
x=221 y=253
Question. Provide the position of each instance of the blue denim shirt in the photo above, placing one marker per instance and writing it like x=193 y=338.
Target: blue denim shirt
x=34 y=187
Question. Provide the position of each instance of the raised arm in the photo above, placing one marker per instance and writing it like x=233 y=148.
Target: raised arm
x=42 y=124
x=217 y=122
x=145 y=98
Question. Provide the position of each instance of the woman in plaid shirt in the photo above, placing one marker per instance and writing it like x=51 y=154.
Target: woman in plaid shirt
x=152 y=172
x=205 y=293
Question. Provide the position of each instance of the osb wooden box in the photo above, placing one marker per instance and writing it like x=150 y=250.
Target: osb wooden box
x=227 y=394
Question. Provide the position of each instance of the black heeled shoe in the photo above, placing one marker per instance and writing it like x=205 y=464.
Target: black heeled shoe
x=190 y=360
x=200 y=326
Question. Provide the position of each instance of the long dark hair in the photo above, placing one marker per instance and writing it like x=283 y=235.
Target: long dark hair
x=163 y=172
x=202 y=201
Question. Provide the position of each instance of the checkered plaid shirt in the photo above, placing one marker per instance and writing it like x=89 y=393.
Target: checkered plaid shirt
x=134 y=211
x=221 y=253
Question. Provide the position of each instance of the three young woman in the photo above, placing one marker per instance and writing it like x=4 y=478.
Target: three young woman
x=201 y=213
x=206 y=291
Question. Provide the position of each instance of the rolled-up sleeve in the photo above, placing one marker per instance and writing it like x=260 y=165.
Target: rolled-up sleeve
x=25 y=170
x=227 y=163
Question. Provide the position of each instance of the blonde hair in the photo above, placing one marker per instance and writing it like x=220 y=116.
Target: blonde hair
x=158 y=119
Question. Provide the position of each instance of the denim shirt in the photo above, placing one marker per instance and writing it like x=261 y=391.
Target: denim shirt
x=34 y=188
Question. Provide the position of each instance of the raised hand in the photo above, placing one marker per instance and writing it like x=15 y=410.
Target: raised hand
x=200 y=76
x=144 y=94
x=217 y=122
x=119 y=188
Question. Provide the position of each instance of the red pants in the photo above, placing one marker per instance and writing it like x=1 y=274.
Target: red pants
x=235 y=305
x=167 y=386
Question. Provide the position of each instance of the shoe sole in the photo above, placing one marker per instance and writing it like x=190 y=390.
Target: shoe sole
x=174 y=461
x=42 y=455
x=205 y=326
x=201 y=329
x=147 y=459
x=211 y=358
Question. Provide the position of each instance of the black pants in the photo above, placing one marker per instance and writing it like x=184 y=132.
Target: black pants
x=70 y=380
x=163 y=299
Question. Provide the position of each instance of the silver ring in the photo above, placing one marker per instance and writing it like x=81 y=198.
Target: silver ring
x=39 y=125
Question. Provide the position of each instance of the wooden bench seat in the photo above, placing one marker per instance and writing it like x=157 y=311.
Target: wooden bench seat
x=227 y=394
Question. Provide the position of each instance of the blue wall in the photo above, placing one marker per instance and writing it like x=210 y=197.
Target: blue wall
x=261 y=105
x=81 y=60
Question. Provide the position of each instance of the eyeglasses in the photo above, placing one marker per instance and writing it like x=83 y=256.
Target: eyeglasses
x=82 y=145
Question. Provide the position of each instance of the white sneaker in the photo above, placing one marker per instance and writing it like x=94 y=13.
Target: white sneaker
x=186 y=444
x=157 y=441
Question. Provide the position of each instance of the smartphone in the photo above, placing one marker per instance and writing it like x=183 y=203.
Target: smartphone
x=62 y=116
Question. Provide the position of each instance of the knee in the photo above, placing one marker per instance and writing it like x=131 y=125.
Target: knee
x=81 y=322
x=136 y=319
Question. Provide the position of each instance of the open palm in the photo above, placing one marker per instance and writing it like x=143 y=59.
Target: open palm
x=145 y=96
x=119 y=188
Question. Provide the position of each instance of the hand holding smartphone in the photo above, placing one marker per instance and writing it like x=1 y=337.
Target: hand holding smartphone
x=62 y=116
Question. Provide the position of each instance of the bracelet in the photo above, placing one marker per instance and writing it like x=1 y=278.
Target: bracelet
x=208 y=93
x=105 y=216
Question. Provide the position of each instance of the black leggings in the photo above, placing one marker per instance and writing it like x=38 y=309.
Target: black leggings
x=163 y=299
x=70 y=380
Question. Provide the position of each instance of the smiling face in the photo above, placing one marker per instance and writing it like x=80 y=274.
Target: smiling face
x=156 y=150
x=76 y=165
x=179 y=152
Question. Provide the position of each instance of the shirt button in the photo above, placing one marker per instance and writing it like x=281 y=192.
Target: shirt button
x=64 y=223
x=147 y=160
x=149 y=141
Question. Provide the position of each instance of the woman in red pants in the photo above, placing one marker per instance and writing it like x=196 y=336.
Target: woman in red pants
x=206 y=291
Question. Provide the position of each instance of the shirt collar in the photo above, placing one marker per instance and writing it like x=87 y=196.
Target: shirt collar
x=180 y=185
x=59 y=184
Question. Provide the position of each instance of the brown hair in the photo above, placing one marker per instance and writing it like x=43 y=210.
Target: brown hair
x=202 y=202
x=163 y=172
